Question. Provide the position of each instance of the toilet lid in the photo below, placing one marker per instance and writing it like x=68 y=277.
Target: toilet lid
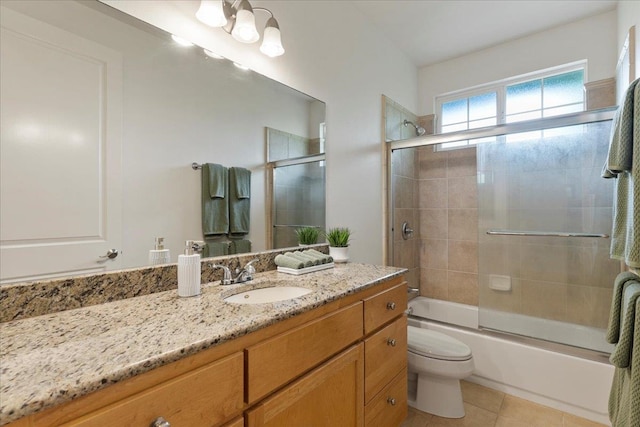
x=436 y=345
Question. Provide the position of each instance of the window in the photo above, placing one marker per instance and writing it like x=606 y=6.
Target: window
x=544 y=94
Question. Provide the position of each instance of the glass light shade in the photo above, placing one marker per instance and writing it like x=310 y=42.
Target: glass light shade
x=271 y=42
x=245 y=28
x=211 y=13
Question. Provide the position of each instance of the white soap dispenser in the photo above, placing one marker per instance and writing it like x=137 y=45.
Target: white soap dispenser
x=159 y=255
x=189 y=271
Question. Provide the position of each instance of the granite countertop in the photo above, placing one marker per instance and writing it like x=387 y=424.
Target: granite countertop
x=51 y=359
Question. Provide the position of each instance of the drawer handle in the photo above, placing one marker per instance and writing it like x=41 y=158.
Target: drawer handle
x=391 y=306
x=391 y=342
x=160 y=422
x=391 y=401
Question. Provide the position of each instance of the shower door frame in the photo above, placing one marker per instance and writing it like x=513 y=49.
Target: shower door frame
x=579 y=118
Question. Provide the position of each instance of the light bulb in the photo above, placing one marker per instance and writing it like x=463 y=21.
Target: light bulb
x=271 y=41
x=244 y=29
x=212 y=13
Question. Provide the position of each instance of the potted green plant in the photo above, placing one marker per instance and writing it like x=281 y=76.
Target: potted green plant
x=338 y=239
x=307 y=235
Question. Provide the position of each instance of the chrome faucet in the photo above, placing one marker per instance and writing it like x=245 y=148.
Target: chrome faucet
x=243 y=274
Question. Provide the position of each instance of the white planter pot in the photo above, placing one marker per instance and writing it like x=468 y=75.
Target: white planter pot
x=339 y=255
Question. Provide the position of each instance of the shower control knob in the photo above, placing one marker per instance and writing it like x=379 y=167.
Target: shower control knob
x=391 y=401
x=391 y=306
x=391 y=342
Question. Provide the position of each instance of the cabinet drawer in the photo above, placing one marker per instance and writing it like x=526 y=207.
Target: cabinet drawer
x=206 y=396
x=278 y=360
x=385 y=354
x=237 y=423
x=389 y=407
x=330 y=395
x=382 y=307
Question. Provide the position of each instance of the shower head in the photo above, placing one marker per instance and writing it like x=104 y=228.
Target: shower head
x=419 y=129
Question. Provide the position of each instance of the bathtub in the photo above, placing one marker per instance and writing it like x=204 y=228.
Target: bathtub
x=573 y=384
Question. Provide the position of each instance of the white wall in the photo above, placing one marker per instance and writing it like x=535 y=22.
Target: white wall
x=593 y=39
x=628 y=16
x=335 y=55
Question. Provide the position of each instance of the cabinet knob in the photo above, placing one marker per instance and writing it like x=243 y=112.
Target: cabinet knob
x=391 y=401
x=160 y=422
x=391 y=306
x=391 y=342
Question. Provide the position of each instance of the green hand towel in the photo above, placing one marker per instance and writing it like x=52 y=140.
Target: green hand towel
x=314 y=260
x=307 y=262
x=288 y=262
x=623 y=163
x=615 y=315
x=212 y=249
x=215 y=210
x=622 y=353
x=624 y=398
x=239 y=201
x=241 y=246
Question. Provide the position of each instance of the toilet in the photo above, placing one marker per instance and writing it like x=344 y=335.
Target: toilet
x=439 y=362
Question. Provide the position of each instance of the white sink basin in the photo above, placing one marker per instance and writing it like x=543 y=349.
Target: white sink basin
x=271 y=294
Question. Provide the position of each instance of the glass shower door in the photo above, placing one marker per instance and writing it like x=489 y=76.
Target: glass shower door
x=540 y=197
x=298 y=191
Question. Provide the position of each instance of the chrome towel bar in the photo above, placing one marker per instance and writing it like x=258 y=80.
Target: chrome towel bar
x=544 y=233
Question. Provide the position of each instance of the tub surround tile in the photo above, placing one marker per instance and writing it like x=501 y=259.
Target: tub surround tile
x=23 y=300
x=433 y=283
x=50 y=359
x=462 y=287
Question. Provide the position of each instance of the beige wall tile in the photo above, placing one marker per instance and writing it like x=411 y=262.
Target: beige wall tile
x=536 y=415
x=431 y=164
x=405 y=253
x=544 y=299
x=588 y=305
x=463 y=192
x=509 y=301
x=433 y=224
x=545 y=262
x=462 y=162
x=434 y=254
x=463 y=224
x=462 y=287
x=463 y=256
x=403 y=192
x=433 y=193
x=600 y=94
x=433 y=283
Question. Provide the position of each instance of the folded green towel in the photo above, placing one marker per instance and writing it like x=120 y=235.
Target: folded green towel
x=622 y=353
x=239 y=246
x=313 y=259
x=325 y=259
x=212 y=249
x=288 y=262
x=307 y=262
x=215 y=210
x=239 y=201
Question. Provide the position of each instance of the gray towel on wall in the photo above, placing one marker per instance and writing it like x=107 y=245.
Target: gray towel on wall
x=239 y=201
x=215 y=200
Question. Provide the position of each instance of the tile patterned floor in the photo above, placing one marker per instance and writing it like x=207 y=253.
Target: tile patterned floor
x=485 y=407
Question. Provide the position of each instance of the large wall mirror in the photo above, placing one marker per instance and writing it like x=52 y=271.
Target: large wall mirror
x=102 y=117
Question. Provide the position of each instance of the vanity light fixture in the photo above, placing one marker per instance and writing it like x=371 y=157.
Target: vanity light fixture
x=237 y=18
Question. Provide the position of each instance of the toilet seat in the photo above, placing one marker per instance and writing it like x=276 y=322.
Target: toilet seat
x=436 y=345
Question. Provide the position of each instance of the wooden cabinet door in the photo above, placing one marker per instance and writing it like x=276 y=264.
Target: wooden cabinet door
x=331 y=395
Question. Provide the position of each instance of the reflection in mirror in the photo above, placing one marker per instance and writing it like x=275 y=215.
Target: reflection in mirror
x=102 y=117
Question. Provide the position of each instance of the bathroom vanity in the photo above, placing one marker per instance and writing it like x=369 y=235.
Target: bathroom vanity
x=336 y=356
